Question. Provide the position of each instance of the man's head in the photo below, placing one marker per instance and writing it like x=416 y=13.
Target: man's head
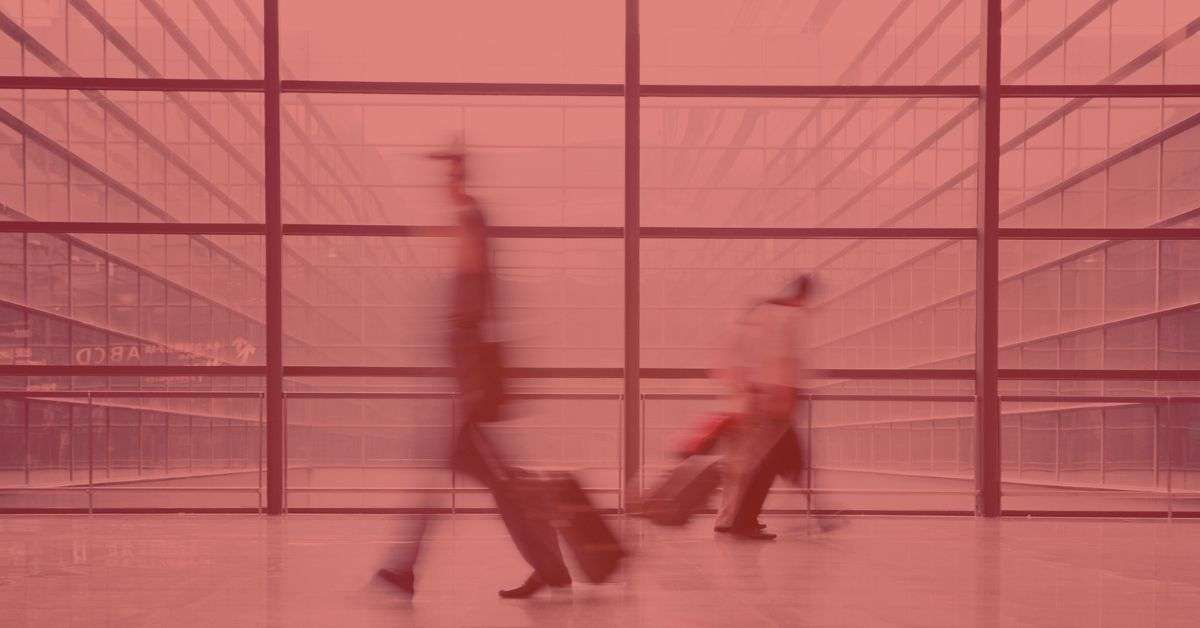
x=798 y=291
x=455 y=157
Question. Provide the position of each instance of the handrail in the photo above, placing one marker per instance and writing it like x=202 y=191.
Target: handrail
x=820 y=397
x=130 y=394
x=695 y=396
x=440 y=395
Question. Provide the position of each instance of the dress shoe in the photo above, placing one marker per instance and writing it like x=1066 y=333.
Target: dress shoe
x=533 y=584
x=723 y=529
x=402 y=579
x=752 y=535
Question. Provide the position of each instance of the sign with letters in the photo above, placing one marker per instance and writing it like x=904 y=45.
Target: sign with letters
x=132 y=353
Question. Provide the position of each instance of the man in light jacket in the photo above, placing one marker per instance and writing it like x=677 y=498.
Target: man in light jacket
x=766 y=378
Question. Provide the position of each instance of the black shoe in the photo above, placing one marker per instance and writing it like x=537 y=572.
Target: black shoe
x=403 y=580
x=724 y=529
x=533 y=584
x=752 y=534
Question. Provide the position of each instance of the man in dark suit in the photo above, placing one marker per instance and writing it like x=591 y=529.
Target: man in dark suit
x=478 y=369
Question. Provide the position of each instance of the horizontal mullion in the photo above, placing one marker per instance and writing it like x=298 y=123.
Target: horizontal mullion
x=436 y=88
x=1149 y=375
x=1100 y=91
x=725 y=233
x=1132 y=233
x=615 y=372
x=442 y=231
x=131 y=394
x=900 y=374
x=97 y=227
x=733 y=233
x=98 y=370
x=818 y=397
x=1123 y=399
x=131 y=84
x=593 y=89
x=446 y=371
x=812 y=91
x=932 y=233
x=436 y=395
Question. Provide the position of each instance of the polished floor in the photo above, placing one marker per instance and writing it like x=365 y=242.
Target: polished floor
x=315 y=570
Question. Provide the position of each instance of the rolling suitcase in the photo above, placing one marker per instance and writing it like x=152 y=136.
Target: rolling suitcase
x=592 y=542
x=685 y=491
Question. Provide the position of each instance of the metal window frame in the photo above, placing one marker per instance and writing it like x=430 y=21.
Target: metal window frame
x=990 y=93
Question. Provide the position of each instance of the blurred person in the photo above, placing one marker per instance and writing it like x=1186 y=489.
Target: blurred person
x=765 y=375
x=477 y=362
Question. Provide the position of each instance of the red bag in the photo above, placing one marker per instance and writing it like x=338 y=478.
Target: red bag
x=705 y=439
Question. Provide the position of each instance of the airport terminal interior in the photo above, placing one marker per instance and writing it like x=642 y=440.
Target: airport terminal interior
x=227 y=258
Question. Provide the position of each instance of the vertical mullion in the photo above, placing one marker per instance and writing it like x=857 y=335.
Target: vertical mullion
x=987 y=250
x=632 y=385
x=274 y=258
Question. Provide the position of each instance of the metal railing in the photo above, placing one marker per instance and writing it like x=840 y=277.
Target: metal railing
x=93 y=484
x=91 y=487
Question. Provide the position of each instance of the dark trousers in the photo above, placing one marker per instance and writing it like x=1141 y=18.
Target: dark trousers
x=780 y=459
x=518 y=500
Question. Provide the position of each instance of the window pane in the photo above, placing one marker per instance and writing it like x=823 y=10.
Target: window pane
x=878 y=303
x=1092 y=305
x=532 y=160
x=112 y=300
x=810 y=42
x=400 y=447
x=540 y=41
x=383 y=301
x=1113 y=162
x=884 y=454
x=805 y=162
x=89 y=453
x=131 y=156
x=1093 y=453
x=127 y=39
x=1127 y=41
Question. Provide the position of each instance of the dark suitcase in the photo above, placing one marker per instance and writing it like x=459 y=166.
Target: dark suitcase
x=592 y=542
x=526 y=502
x=685 y=491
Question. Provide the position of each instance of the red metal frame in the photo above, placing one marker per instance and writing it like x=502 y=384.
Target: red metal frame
x=660 y=233
x=810 y=233
x=130 y=84
x=897 y=374
x=276 y=423
x=446 y=371
x=435 y=231
x=811 y=91
x=447 y=89
x=1143 y=233
x=631 y=458
x=132 y=394
x=987 y=251
x=1131 y=90
x=51 y=370
x=1175 y=375
x=165 y=228
x=990 y=92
